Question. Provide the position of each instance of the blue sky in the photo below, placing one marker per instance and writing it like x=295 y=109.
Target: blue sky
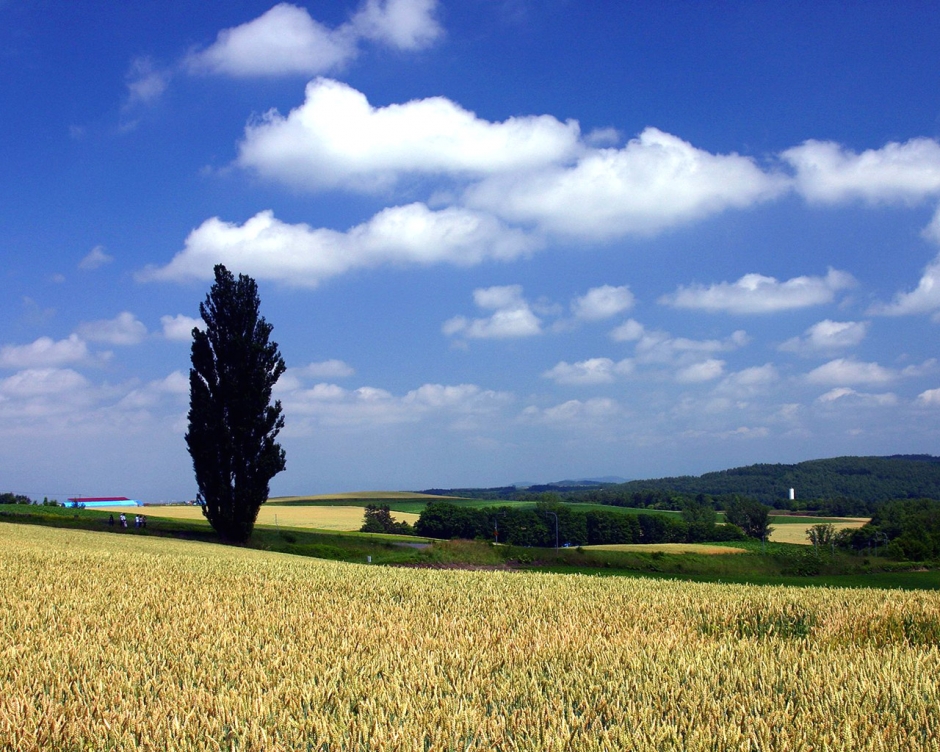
x=498 y=241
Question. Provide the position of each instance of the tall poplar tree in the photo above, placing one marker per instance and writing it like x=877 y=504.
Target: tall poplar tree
x=232 y=423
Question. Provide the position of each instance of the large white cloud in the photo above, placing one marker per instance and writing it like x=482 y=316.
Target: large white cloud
x=337 y=139
x=512 y=316
x=828 y=173
x=124 y=329
x=300 y=255
x=756 y=293
x=45 y=353
x=827 y=336
x=286 y=40
x=654 y=182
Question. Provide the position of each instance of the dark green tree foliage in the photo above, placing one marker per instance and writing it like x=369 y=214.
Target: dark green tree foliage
x=378 y=519
x=536 y=527
x=910 y=527
x=605 y=527
x=9 y=498
x=701 y=516
x=441 y=519
x=232 y=423
x=749 y=515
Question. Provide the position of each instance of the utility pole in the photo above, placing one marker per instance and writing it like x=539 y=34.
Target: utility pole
x=553 y=514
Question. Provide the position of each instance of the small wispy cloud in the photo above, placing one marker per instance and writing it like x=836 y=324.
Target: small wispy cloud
x=95 y=259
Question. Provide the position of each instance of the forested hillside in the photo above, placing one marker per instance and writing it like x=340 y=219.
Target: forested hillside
x=868 y=479
x=840 y=485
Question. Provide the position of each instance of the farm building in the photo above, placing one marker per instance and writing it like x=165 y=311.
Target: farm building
x=90 y=502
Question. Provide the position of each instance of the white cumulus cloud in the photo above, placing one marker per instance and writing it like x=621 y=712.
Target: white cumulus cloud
x=402 y=24
x=748 y=382
x=629 y=331
x=602 y=303
x=845 y=371
x=96 y=258
x=845 y=395
x=655 y=182
x=756 y=293
x=573 y=413
x=300 y=255
x=591 y=371
x=828 y=173
x=827 y=336
x=512 y=316
x=922 y=299
x=329 y=404
x=337 y=139
x=285 y=40
x=124 y=329
x=179 y=328
x=659 y=347
x=41 y=382
x=44 y=353
x=929 y=398
x=706 y=370
x=328 y=369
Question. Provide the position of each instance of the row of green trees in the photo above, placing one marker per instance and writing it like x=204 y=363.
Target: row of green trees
x=536 y=526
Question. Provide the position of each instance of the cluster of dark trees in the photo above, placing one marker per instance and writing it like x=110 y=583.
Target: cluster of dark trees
x=9 y=498
x=903 y=528
x=378 y=519
x=526 y=526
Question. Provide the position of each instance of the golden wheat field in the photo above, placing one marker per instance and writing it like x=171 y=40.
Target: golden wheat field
x=137 y=643
x=320 y=518
x=795 y=532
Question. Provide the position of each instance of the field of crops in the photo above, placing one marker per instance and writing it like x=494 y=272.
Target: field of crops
x=127 y=642
x=796 y=532
x=317 y=517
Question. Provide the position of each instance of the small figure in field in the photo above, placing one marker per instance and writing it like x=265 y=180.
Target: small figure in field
x=110 y=520
x=143 y=521
x=136 y=520
x=123 y=520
